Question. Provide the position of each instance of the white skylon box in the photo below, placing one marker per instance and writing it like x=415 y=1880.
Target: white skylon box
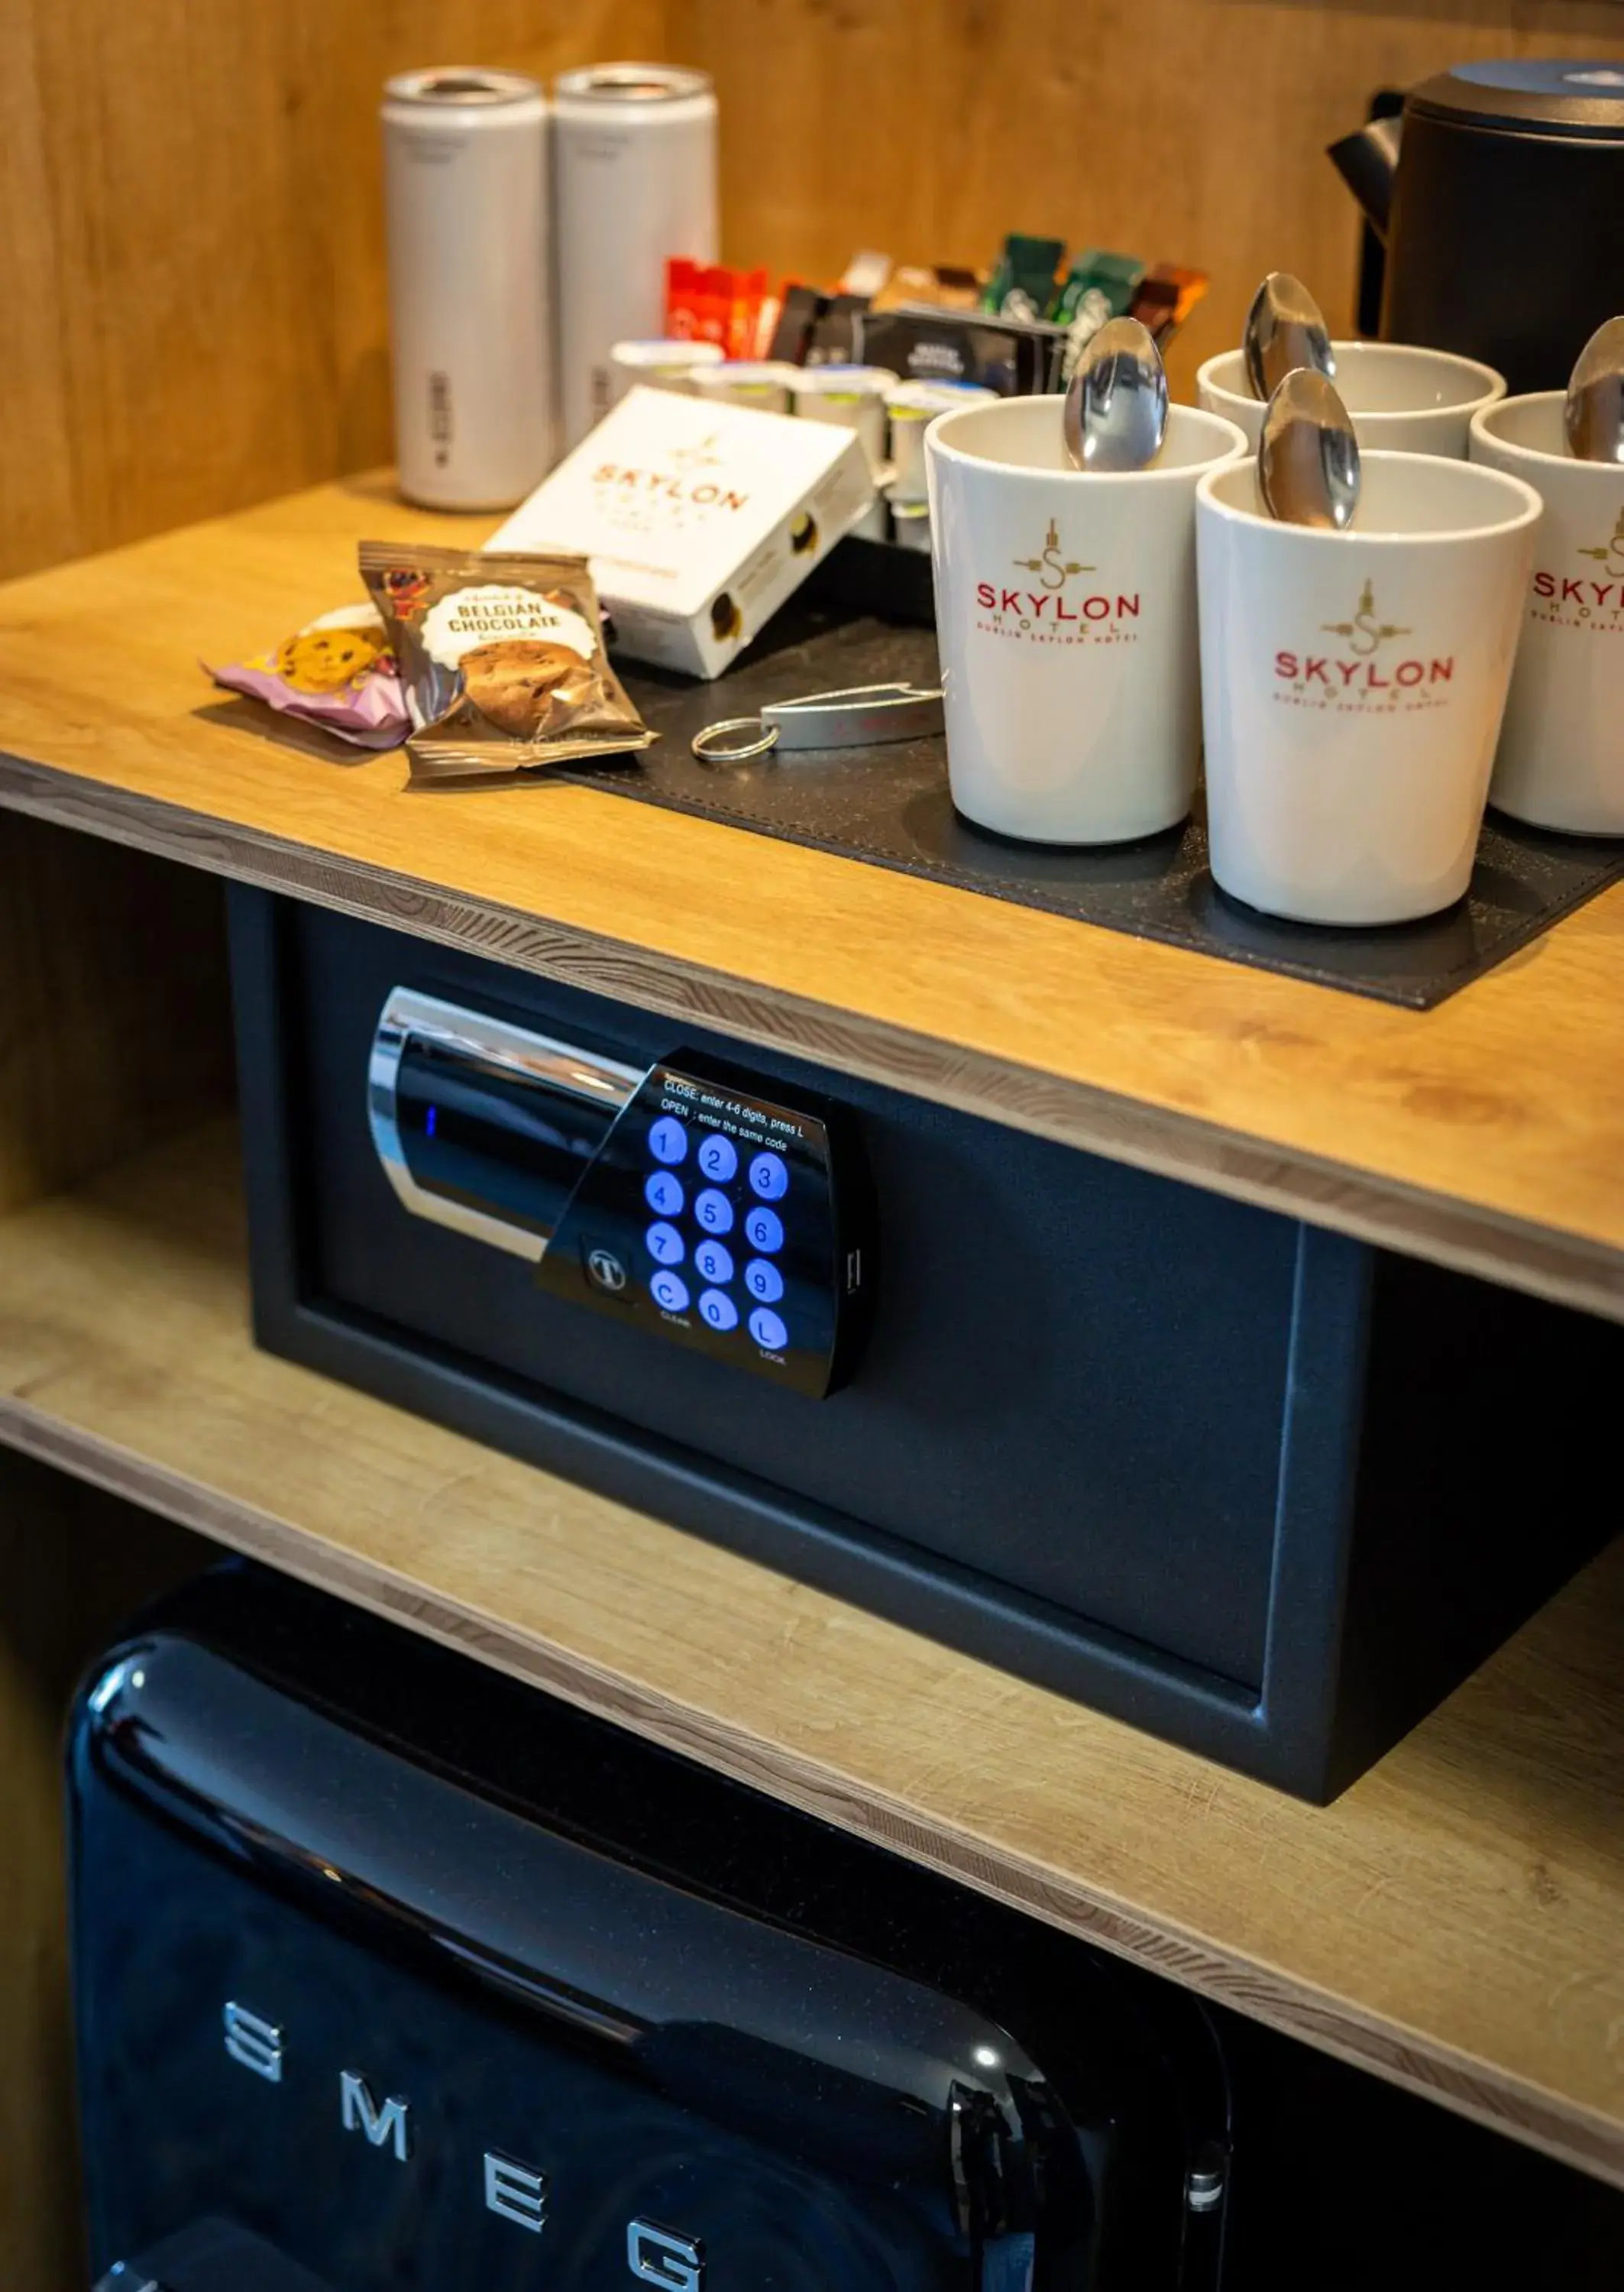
x=699 y=520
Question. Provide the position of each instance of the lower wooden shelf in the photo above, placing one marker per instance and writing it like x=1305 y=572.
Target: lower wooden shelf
x=1455 y=1923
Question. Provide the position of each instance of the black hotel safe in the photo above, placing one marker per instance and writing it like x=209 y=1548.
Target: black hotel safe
x=1253 y=1485
x=391 y=1975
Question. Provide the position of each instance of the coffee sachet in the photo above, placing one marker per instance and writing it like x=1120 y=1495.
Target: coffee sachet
x=501 y=653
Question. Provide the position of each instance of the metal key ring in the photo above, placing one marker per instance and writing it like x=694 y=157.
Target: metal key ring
x=765 y=737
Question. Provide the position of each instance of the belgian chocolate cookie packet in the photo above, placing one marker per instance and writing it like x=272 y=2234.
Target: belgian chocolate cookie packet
x=501 y=657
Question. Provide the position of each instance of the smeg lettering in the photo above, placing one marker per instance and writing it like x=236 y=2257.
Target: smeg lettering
x=515 y=2191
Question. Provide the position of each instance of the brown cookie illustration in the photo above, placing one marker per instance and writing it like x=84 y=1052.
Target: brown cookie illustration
x=526 y=685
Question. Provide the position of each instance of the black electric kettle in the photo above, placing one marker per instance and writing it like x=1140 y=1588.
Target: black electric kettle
x=1499 y=197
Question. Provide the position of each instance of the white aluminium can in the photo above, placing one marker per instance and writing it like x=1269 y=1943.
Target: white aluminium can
x=634 y=183
x=467 y=192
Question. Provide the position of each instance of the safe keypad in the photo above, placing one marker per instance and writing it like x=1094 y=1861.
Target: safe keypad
x=712 y=1213
x=728 y=1222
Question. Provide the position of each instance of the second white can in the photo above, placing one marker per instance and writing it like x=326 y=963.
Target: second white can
x=634 y=183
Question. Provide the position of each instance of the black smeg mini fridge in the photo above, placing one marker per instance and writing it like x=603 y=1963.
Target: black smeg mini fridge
x=393 y=1975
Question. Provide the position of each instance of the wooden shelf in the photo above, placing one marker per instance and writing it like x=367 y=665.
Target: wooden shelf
x=1452 y=1923
x=1488 y=1135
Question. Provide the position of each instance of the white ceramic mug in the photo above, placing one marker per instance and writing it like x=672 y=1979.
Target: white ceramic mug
x=1352 y=685
x=1403 y=400
x=1066 y=615
x=1561 y=760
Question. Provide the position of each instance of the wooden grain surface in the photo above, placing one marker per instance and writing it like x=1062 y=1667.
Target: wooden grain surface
x=1455 y=1922
x=194 y=314
x=115 y=1011
x=74 y=1562
x=1488 y=1133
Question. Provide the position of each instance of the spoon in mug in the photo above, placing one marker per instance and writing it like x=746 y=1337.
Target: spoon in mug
x=1284 y=330
x=1308 y=457
x=1116 y=412
x=1594 y=415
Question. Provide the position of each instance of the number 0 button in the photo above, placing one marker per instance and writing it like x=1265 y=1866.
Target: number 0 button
x=718 y=1308
x=764 y=1228
x=769 y=1178
x=714 y=1211
x=763 y=1280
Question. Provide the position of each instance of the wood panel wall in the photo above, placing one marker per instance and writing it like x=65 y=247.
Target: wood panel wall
x=1189 y=131
x=192 y=294
x=115 y=1004
x=192 y=300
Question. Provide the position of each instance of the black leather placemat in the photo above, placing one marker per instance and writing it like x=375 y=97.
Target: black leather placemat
x=890 y=806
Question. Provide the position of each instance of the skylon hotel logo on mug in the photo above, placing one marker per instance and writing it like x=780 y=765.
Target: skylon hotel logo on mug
x=1361 y=673
x=1047 y=609
x=1588 y=600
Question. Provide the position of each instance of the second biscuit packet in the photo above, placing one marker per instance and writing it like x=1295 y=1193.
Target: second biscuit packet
x=500 y=655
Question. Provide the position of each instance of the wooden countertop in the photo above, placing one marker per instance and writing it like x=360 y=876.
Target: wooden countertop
x=1488 y=1133
x=1455 y=1922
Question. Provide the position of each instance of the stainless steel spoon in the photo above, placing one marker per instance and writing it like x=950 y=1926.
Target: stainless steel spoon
x=1284 y=330
x=1594 y=416
x=1115 y=413
x=1308 y=457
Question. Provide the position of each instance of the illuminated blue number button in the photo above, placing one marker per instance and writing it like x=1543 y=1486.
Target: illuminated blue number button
x=664 y=1245
x=712 y=1261
x=769 y=1178
x=663 y=1193
x=764 y=1228
x=718 y=1308
x=668 y=1141
x=763 y=1280
x=767 y=1331
x=717 y=1157
x=671 y=1291
x=714 y=1211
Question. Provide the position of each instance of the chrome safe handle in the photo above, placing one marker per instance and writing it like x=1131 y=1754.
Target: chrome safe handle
x=563 y=1077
